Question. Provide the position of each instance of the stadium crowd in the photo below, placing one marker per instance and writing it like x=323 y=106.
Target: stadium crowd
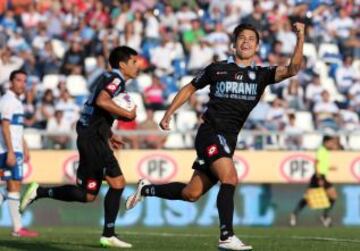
x=63 y=45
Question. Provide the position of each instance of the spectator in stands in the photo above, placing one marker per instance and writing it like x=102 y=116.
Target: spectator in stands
x=313 y=91
x=326 y=113
x=185 y=15
x=68 y=106
x=341 y=26
x=274 y=120
x=74 y=59
x=231 y=17
x=349 y=119
x=30 y=108
x=293 y=94
x=59 y=130
x=293 y=134
x=45 y=109
x=48 y=62
x=130 y=38
x=193 y=35
x=354 y=96
x=151 y=141
x=8 y=63
x=154 y=94
x=257 y=17
x=201 y=55
x=219 y=41
x=168 y=19
x=287 y=38
x=345 y=75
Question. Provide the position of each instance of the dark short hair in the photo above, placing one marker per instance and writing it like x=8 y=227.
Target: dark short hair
x=120 y=54
x=14 y=73
x=327 y=138
x=241 y=27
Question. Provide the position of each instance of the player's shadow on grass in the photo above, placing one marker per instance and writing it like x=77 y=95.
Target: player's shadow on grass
x=21 y=245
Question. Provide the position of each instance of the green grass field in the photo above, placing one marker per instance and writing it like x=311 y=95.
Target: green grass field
x=262 y=239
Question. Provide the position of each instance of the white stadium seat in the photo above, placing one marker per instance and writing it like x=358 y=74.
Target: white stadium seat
x=90 y=64
x=77 y=86
x=144 y=81
x=174 y=141
x=328 y=48
x=50 y=81
x=310 y=51
x=304 y=121
x=354 y=142
x=311 y=141
x=33 y=138
x=186 y=120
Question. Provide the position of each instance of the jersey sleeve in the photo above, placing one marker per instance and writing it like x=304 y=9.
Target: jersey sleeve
x=6 y=111
x=268 y=75
x=112 y=86
x=202 y=79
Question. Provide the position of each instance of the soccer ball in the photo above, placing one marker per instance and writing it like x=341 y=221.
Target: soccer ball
x=124 y=101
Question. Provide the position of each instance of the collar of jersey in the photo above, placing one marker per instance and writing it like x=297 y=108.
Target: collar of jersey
x=10 y=92
x=118 y=72
x=231 y=60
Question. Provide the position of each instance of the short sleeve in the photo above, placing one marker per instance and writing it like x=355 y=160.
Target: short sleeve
x=202 y=79
x=112 y=86
x=268 y=75
x=6 y=111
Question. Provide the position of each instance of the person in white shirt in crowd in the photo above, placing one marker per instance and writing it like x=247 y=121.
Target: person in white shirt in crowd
x=129 y=37
x=354 y=96
x=326 y=112
x=68 y=106
x=349 y=119
x=184 y=16
x=13 y=149
x=31 y=18
x=313 y=91
x=275 y=116
x=293 y=94
x=293 y=134
x=59 y=130
x=231 y=17
x=201 y=54
x=287 y=37
x=152 y=26
x=219 y=41
x=8 y=63
x=341 y=26
x=345 y=75
x=168 y=19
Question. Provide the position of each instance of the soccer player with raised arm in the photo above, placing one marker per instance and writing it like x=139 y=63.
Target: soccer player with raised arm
x=236 y=86
x=97 y=161
x=13 y=149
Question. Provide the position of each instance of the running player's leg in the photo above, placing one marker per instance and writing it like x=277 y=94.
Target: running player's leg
x=224 y=169
x=332 y=195
x=198 y=185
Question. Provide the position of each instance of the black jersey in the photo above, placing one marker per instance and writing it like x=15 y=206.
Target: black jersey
x=234 y=92
x=94 y=119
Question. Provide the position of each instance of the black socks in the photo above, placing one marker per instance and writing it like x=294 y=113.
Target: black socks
x=225 y=205
x=300 y=206
x=111 y=208
x=170 y=191
x=63 y=193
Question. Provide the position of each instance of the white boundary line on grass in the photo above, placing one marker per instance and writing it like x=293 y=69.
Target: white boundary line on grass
x=295 y=237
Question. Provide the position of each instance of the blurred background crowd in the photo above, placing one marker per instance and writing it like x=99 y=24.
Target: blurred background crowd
x=64 y=44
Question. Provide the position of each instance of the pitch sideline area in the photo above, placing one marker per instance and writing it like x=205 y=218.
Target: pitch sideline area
x=262 y=239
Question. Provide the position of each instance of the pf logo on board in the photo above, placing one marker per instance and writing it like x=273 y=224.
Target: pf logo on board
x=157 y=168
x=355 y=168
x=297 y=168
x=70 y=167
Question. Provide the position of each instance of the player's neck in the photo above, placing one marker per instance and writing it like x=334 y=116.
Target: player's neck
x=244 y=62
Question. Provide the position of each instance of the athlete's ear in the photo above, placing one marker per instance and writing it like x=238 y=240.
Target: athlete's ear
x=122 y=65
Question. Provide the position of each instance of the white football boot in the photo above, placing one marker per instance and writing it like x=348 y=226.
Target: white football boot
x=113 y=241
x=28 y=197
x=136 y=197
x=233 y=243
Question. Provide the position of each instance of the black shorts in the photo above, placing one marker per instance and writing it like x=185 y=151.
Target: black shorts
x=96 y=161
x=211 y=146
x=314 y=182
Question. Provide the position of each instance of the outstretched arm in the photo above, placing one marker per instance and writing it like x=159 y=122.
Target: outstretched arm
x=283 y=72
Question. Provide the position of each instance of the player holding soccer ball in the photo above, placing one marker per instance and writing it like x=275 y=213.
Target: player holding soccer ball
x=97 y=161
x=236 y=86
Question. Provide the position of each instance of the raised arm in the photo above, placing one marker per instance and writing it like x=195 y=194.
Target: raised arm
x=183 y=95
x=283 y=72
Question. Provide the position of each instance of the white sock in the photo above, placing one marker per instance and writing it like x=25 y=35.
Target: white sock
x=14 y=203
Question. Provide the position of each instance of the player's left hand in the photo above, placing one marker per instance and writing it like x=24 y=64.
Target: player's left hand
x=299 y=28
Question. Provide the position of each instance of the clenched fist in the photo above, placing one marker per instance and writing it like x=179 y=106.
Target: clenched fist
x=299 y=28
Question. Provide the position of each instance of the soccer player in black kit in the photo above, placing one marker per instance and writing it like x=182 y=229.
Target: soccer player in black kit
x=236 y=86
x=95 y=142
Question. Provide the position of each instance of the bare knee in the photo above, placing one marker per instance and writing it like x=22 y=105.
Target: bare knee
x=90 y=197
x=190 y=195
x=231 y=180
x=117 y=182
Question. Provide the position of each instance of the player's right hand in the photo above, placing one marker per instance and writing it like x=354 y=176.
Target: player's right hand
x=132 y=114
x=10 y=159
x=165 y=123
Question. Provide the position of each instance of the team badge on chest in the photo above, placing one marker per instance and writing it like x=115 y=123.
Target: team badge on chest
x=251 y=75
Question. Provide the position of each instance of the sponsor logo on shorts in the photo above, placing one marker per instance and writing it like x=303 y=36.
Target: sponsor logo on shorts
x=91 y=185
x=212 y=150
